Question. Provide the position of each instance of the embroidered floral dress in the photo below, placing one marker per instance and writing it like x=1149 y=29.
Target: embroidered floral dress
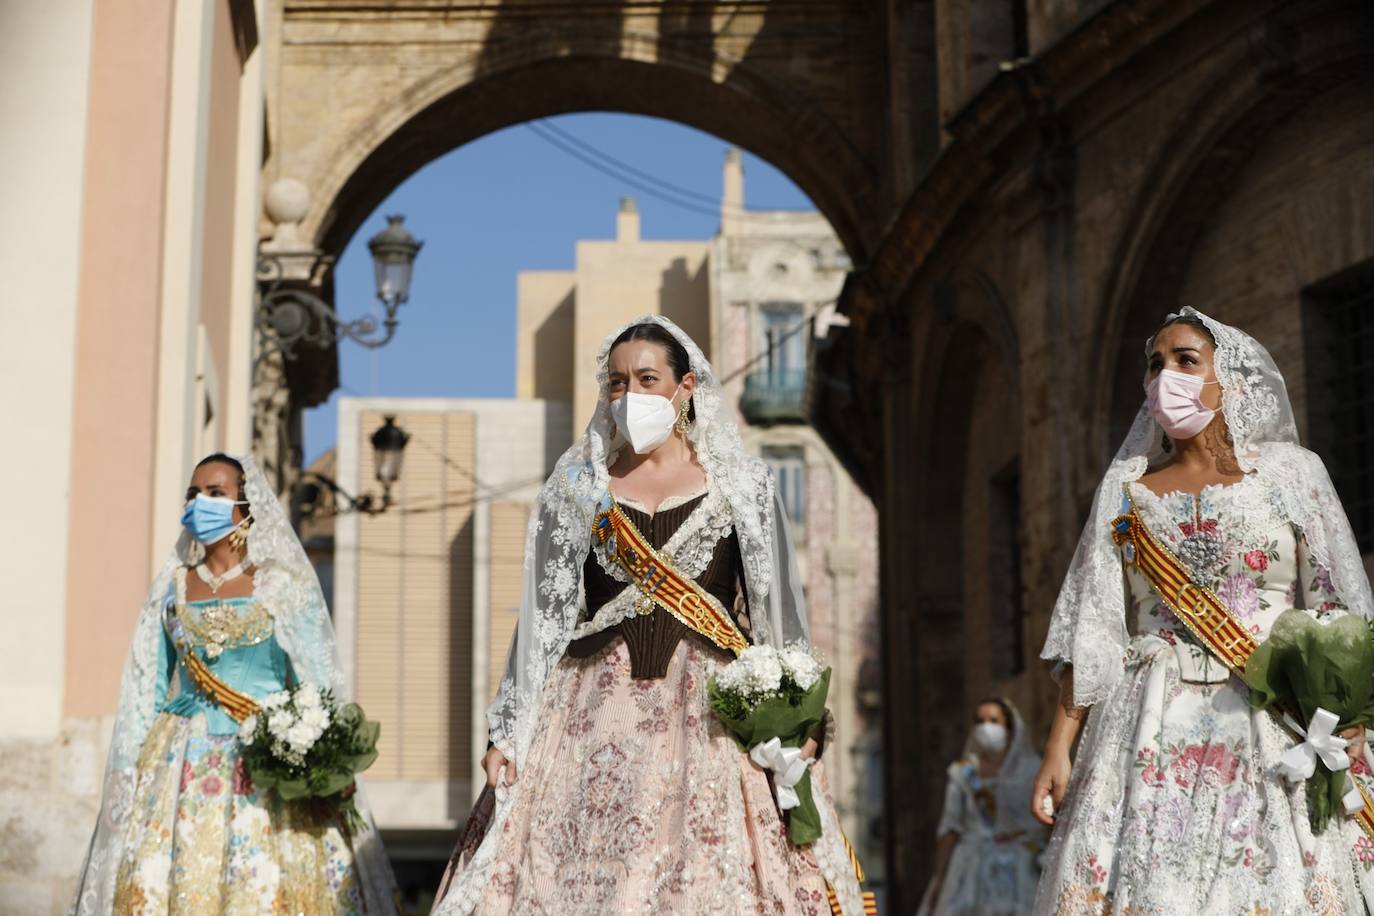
x=634 y=799
x=201 y=839
x=1175 y=805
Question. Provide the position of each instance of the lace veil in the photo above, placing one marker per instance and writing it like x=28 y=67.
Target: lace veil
x=1014 y=777
x=1088 y=626
x=559 y=538
x=287 y=586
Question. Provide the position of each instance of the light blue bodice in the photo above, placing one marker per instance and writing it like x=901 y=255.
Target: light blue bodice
x=234 y=637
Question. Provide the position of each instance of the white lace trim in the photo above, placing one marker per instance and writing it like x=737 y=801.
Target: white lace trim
x=692 y=545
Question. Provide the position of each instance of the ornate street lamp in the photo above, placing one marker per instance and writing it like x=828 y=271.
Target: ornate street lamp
x=288 y=312
x=388 y=452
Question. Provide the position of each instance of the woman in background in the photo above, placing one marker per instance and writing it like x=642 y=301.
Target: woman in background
x=988 y=846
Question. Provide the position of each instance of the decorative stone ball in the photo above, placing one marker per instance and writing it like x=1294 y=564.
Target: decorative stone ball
x=287 y=201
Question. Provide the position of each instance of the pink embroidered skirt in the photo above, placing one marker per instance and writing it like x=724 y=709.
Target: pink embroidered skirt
x=634 y=800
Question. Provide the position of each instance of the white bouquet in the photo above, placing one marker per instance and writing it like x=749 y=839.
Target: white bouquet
x=303 y=745
x=771 y=700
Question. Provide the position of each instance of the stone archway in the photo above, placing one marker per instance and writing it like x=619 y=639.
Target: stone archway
x=364 y=97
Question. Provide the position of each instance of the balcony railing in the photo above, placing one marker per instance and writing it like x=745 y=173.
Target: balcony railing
x=774 y=396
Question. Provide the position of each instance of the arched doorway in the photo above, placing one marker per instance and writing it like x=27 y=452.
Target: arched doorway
x=362 y=98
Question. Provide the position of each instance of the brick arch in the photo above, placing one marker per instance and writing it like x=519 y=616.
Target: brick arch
x=1291 y=60
x=544 y=75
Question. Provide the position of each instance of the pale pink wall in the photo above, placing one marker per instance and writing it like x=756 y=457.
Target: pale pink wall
x=117 y=344
x=220 y=190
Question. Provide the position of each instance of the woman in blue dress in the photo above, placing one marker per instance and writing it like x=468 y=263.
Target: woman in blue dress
x=236 y=610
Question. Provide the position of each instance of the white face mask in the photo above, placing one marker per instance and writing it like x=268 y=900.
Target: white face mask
x=990 y=737
x=646 y=420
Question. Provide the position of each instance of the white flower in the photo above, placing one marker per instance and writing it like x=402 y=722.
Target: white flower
x=317 y=717
x=301 y=737
x=246 y=729
x=308 y=696
x=274 y=700
x=799 y=664
x=761 y=672
x=279 y=723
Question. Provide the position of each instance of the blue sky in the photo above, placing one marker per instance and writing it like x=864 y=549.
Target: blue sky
x=508 y=202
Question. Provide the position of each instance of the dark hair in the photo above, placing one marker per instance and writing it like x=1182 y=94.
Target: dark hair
x=1191 y=320
x=678 y=360
x=1006 y=711
x=231 y=461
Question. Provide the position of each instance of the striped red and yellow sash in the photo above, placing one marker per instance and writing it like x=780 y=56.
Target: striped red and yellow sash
x=1202 y=612
x=1199 y=608
x=238 y=706
x=661 y=584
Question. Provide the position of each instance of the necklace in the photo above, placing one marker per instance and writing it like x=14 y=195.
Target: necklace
x=216 y=582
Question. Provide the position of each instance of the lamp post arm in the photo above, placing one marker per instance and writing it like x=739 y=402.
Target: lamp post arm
x=288 y=315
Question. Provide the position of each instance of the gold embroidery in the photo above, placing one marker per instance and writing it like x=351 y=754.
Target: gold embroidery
x=220 y=625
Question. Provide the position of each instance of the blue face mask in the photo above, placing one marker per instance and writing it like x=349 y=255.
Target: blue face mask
x=209 y=519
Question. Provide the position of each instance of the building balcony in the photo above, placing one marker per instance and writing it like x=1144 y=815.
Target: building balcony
x=774 y=396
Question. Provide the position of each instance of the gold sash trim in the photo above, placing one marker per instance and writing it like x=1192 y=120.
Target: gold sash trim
x=660 y=583
x=1201 y=611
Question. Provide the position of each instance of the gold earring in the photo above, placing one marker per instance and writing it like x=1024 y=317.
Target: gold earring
x=238 y=538
x=684 y=424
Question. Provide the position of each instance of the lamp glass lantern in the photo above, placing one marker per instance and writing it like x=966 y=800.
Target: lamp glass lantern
x=393 y=255
x=388 y=448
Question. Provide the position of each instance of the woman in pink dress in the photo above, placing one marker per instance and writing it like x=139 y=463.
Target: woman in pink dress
x=612 y=786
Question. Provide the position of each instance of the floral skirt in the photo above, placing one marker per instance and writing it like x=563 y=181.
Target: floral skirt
x=202 y=841
x=634 y=800
x=1175 y=806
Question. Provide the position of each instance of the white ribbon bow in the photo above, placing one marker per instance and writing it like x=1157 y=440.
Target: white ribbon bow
x=788 y=769
x=1300 y=761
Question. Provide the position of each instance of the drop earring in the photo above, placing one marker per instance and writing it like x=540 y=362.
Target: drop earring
x=238 y=538
x=684 y=423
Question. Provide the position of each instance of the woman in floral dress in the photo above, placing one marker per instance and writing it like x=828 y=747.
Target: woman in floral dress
x=612 y=786
x=1174 y=803
x=182 y=829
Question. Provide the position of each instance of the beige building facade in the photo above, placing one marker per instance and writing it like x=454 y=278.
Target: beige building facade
x=132 y=143
x=426 y=593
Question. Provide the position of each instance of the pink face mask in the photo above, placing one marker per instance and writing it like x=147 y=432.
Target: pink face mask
x=1175 y=401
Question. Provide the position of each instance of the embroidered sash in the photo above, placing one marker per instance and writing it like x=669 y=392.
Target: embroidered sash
x=238 y=706
x=660 y=583
x=1201 y=611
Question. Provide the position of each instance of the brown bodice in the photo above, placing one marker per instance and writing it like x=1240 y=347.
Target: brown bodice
x=652 y=638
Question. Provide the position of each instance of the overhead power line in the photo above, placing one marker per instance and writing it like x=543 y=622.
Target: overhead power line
x=711 y=200
x=646 y=182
